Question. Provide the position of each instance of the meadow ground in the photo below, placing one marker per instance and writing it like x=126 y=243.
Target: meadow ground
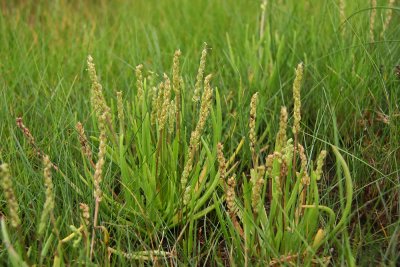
x=189 y=169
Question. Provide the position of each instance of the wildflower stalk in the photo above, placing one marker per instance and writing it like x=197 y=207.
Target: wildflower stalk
x=9 y=195
x=97 y=98
x=164 y=109
x=257 y=185
x=163 y=116
x=98 y=101
x=282 y=184
x=230 y=197
x=176 y=80
x=297 y=107
x=252 y=126
x=154 y=102
x=172 y=117
x=87 y=151
x=28 y=135
x=13 y=207
x=142 y=255
x=139 y=83
x=98 y=175
x=200 y=73
x=304 y=180
x=296 y=97
x=25 y=130
x=269 y=160
x=196 y=134
x=320 y=164
x=221 y=163
x=187 y=195
x=281 y=138
x=85 y=213
x=49 y=202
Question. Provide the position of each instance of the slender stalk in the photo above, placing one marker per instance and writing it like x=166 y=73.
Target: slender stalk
x=96 y=214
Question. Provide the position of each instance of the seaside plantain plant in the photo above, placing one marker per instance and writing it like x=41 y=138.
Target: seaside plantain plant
x=169 y=173
x=150 y=150
x=274 y=213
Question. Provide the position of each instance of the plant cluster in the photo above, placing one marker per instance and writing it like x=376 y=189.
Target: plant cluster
x=170 y=174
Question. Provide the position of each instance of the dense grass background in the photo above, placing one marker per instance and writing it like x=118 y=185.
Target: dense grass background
x=350 y=96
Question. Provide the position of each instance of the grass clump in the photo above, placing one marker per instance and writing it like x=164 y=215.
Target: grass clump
x=277 y=218
x=168 y=181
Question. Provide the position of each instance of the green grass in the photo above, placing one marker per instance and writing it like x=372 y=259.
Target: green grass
x=349 y=89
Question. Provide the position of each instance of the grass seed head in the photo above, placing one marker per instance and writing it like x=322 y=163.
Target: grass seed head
x=205 y=105
x=9 y=195
x=269 y=162
x=200 y=74
x=320 y=164
x=252 y=123
x=139 y=82
x=171 y=116
x=98 y=174
x=91 y=69
x=87 y=151
x=187 y=195
x=28 y=135
x=204 y=112
x=166 y=103
x=85 y=213
x=97 y=98
x=196 y=134
x=256 y=194
x=287 y=151
x=281 y=138
x=296 y=98
x=187 y=169
x=175 y=72
x=305 y=179
x=231 y=195
x=221 y=161
x=284 y=170
x=154 y=102
x=25 y=130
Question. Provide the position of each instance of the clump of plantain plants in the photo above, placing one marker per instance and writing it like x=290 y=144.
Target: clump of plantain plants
x=170 y=173
x=274 y=211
